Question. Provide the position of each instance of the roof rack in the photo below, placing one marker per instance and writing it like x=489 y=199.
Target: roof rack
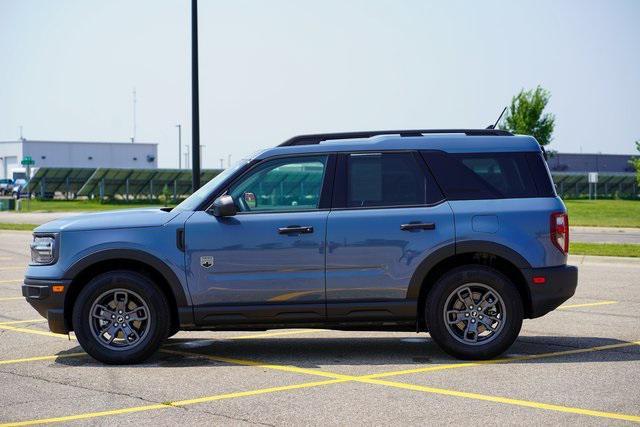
x=317 y=138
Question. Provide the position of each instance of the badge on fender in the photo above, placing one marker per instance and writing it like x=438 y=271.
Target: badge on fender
x=206 y=261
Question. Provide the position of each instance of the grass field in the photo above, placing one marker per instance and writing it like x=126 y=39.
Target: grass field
x=605 y=249
x=19 y=227
x=604 y=213
x=79 y=205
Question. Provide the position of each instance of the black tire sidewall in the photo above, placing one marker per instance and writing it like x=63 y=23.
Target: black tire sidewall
x=450 y=281
x=138 y=283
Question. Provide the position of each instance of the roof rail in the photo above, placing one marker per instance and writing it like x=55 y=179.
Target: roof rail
x=317 y=138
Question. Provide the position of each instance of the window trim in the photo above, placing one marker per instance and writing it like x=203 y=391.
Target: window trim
x=339 y=200
x=325 y=193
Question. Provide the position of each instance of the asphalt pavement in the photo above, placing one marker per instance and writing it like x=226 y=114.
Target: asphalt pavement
x=578 y=365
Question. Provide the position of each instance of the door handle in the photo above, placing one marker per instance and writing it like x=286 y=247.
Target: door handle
x=418 y=226
x=295 y=229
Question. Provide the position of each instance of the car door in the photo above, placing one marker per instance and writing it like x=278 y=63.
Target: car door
x=266 y=263
x=388 y=216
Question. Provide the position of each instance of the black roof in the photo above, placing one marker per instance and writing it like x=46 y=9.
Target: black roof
x=319 y=137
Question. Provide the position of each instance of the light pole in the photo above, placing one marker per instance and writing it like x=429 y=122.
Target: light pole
x=179 y=126
x=195 y=120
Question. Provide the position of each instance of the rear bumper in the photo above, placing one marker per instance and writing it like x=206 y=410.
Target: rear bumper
x=50 y=305
x=559 y=285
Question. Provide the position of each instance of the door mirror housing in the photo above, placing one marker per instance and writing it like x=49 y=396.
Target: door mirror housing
x=224 y=206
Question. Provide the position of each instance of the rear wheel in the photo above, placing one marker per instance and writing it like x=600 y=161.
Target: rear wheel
x=474 y=312
x=121 y=317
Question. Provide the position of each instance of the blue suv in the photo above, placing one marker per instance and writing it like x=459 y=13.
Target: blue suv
x=458 y=233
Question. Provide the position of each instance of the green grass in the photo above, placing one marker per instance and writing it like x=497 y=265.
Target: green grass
x=605 y=249
x=80 y=205
x=604 y=213
x=20 y=227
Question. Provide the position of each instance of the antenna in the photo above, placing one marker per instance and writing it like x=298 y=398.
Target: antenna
x=493 y=126
x=133 y=138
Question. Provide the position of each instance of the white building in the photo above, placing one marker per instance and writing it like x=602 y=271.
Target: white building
x=69 y=154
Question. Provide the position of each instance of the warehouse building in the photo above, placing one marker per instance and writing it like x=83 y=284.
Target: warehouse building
x=579 y=162
x=72 y=154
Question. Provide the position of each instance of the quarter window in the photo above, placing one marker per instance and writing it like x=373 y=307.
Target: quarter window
x=482 y=176
x=281 y=185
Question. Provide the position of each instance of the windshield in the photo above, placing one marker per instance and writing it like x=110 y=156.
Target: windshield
x=193 y=201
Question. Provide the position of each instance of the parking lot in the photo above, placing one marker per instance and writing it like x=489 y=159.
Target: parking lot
x=579 y=364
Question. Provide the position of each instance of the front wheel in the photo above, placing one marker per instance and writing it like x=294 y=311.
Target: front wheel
x=121 y=317
x=474 y=312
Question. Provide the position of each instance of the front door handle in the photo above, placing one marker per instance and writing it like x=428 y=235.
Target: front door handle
x=418 y=226
x=295 y=229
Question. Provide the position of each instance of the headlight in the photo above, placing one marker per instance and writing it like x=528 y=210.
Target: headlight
x=43 y=250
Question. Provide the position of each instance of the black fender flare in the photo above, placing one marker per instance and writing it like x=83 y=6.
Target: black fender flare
x=135 y=255
x=459 y=248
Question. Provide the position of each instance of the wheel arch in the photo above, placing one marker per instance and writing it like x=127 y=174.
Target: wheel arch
x=134 y=260
x=494 y=255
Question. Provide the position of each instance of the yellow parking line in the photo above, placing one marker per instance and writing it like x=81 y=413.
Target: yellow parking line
x=167 y=405
x=506 y=400
x=369 y=380
x=14 y=281
x=12 y=268
x=590 y=304
x=257 y=363
x=35 y=331
x=11 y=298
x=40 y=358
x=504 y=360
x=15 y=322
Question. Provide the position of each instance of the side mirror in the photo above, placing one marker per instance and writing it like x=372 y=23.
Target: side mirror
x=224 y=206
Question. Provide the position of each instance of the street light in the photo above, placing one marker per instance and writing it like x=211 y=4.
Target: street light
x=179 y=126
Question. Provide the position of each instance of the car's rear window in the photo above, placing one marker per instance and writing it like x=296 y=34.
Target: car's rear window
x=484 y=175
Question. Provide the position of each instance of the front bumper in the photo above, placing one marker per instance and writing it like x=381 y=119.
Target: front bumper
x=49 y=304
x=559 y=285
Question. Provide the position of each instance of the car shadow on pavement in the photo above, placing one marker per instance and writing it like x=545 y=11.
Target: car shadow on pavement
x=411 y=350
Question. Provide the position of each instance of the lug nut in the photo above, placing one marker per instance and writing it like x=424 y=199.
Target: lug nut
x=113 y=316
x=126 y=317
x=473 y=320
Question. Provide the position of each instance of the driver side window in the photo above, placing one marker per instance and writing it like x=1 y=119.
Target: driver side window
x=293 y=183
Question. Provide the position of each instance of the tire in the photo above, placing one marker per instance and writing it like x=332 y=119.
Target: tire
x=97 y=312
x=449 y=316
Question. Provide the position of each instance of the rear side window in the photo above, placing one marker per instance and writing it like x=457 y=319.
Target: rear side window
x=482 y=175
x=385 y=179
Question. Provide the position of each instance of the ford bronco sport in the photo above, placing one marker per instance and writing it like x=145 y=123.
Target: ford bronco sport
x=456 y=232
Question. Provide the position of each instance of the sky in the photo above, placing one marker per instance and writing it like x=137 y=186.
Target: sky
x=270 y=70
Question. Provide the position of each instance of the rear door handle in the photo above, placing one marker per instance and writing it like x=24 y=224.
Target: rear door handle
x=295 y=229
x=418 y=226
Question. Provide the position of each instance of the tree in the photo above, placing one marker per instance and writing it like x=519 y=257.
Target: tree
x=525 y=115
x=635 y=161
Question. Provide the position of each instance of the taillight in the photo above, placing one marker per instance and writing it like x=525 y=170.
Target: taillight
x=560 y=231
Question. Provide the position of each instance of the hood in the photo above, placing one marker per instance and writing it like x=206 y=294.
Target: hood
x=129 y=218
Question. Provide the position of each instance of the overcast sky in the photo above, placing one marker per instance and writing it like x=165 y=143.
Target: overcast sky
x=273 y=69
